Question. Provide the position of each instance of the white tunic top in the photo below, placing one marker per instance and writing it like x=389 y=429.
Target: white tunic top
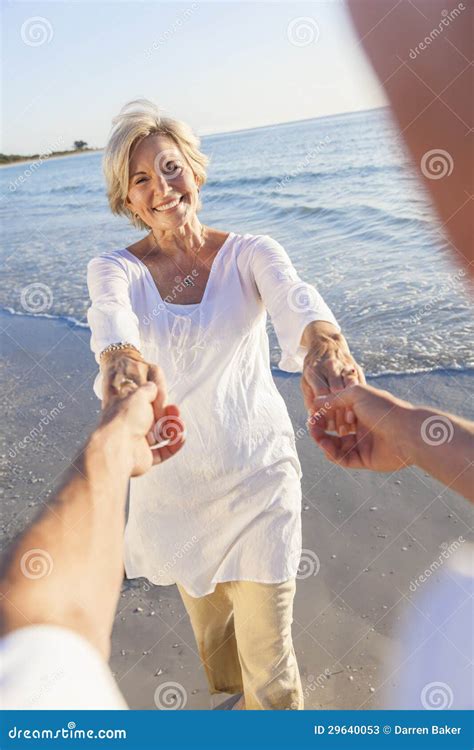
x=227 y=507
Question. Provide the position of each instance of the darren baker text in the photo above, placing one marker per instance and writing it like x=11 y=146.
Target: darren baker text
x=434 y=729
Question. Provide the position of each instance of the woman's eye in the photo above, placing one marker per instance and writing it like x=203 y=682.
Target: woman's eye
x=142 y=179
x=172 y=166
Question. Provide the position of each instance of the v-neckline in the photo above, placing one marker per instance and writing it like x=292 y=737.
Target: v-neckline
x=206 y=288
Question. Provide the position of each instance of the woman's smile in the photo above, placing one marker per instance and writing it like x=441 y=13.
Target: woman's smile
x=169 y=205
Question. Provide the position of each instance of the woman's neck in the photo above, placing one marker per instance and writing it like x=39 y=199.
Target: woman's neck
x=187 y=239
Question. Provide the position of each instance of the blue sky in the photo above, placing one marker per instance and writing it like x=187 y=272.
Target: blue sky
x=220 y=66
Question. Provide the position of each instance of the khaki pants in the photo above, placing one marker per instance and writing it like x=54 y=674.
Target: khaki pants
x=243 y=633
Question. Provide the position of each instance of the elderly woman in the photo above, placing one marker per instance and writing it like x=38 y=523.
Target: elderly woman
x=222 y=519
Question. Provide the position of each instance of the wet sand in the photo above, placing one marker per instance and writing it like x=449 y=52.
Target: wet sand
x=365 y=536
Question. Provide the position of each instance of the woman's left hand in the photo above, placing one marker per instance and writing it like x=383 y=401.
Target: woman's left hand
x=328 y=367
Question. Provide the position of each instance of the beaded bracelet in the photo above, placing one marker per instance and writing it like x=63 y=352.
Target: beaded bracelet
x=118 y=347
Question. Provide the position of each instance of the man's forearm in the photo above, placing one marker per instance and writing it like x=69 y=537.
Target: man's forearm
x=443 y=445
x=55 y=561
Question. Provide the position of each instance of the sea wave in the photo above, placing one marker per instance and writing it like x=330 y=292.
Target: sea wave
x=73 y=322
x=68 y=319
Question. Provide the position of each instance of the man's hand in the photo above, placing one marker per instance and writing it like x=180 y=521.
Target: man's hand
x=328 y=368
x=380 y=439
x=143 y=418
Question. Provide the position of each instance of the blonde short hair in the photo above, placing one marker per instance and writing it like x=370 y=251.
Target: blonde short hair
x=136 y=120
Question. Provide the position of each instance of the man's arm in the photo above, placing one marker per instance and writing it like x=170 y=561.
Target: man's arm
x=389 y=434
x=428 y=81
x=67 y=568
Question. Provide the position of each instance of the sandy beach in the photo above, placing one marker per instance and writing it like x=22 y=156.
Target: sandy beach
x=366 y=536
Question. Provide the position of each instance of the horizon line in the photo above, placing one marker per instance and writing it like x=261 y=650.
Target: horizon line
x=243 y=130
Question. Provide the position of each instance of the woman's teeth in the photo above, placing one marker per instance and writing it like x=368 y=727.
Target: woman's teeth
x=167 y=206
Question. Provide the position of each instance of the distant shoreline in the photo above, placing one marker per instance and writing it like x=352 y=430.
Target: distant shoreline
x=17 y=159
x=14 y=159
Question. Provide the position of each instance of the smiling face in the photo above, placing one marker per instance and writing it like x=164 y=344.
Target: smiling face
x=162 y=187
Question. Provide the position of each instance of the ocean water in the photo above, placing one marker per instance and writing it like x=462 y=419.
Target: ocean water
x=337 y=192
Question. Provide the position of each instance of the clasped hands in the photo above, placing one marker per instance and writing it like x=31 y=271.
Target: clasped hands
x=135 y=398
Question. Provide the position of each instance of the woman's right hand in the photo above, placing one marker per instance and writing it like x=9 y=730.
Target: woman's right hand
x=125 y=369
x=122 y=365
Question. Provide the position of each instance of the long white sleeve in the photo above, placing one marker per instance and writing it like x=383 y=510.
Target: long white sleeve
x=291 y=302
x=110 y=315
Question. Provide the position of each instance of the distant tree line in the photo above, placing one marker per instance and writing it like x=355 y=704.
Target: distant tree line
x=78 y=146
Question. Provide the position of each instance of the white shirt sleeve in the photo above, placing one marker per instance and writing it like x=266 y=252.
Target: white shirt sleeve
x=110 y=315
x=291 y=302
x=46 y=667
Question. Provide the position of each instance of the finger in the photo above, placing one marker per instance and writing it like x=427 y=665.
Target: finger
x=316 y=379
x=126 y=377
x=155 y=375
x=343 y=451
x=350 y=378
x=317 y=424
x=361 y=375
x=340 y=421
x=333 y=372
x=169 y=429
x=168 y=451
x=308 y=395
